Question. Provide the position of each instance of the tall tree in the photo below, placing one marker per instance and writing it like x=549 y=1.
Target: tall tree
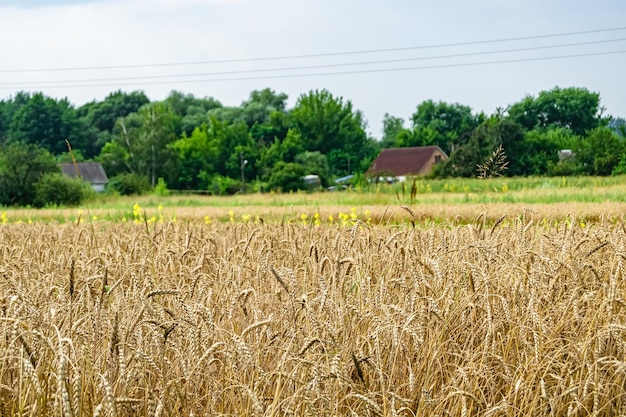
x=145 y=136
x=192 y=110
x=600 y=152
x=572 y=108
x=329 y=125
x=392 y=128
x=98 y=118
x=21 y=166
x=46 y=122
x=440 y=123
x=195 y=158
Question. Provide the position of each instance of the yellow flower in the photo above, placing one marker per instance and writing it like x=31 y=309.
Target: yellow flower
x=137 y=213
x=232 y=216
x=246 y=218
x=207 y=220
x=4 y=218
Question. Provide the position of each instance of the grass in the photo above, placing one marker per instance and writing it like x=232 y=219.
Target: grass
x=522 y=316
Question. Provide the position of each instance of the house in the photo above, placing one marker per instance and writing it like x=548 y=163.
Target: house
x=91 y=172
x=403 y=162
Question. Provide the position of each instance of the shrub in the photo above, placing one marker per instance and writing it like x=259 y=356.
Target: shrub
x=129 y=184
x=161 y=188
x=287 y=176
x=220 y=185
x=57 y=189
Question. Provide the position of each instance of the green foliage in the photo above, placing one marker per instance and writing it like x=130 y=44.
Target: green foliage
x=161 y=188
x=443 y=124
x=193 y=158
x=145 y=137
x=572 y=108
x=99 y=118
x=332 y=127
x=392 y=128
x=47 y=123
x=287 y=176
x=59 y=190
x=600 y=152
x=104 y=114
x=193 y=112
x=115 y=158
x=220 y=185
x=315 y=163
x=22 y=165
x=537 y=152
x=129 y=184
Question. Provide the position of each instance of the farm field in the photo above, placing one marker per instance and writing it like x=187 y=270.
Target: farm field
x=317 y=304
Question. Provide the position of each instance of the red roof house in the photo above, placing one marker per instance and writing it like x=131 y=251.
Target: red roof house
x=402 y=162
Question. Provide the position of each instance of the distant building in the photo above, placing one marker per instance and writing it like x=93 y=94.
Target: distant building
x=91 y=172
x=403 y=162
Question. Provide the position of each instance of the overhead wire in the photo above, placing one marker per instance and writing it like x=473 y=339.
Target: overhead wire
x=309 y=69
x=353 y=72
x=316 y=55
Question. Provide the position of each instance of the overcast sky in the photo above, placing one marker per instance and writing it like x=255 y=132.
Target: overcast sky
x=407 y=35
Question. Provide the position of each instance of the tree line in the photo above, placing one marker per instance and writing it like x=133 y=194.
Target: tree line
x=192 y=143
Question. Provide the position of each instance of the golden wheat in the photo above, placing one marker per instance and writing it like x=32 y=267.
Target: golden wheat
x=522 y=317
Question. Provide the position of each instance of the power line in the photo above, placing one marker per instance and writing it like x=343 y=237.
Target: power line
x=309 y=67
x=327 y=54
x=335 y=73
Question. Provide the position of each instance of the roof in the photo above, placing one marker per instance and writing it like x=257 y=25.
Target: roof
x=91 y=172
x=404 y=161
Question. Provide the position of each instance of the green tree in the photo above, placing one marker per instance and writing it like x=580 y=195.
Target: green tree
x=193 y=111
x=329 y=125
x=145 y=136
x=285 y=151
x=47 y=123
x=572 y=108
x=22 y=165
x=104 y=114
x=483 y=141
x=195 y=158
x=315 y=163
x=538 y=151
x=262 y=103
x=98 y=118
x=443 y=124
x=287 y=176
x=600 y=152
x=393 y=127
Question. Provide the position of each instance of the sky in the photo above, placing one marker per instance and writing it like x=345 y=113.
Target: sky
x=382 y=56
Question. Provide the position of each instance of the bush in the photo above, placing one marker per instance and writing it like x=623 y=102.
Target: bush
x=58 y=189
x=224 y=185
x=287 y=176
x=129 y=184
x=161 y=188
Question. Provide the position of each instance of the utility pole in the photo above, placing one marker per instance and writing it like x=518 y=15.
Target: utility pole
x=243 y=163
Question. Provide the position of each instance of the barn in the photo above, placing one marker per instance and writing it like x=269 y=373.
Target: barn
x=91 y=172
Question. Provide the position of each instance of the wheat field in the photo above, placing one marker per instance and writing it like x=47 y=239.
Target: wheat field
x=188 y=319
